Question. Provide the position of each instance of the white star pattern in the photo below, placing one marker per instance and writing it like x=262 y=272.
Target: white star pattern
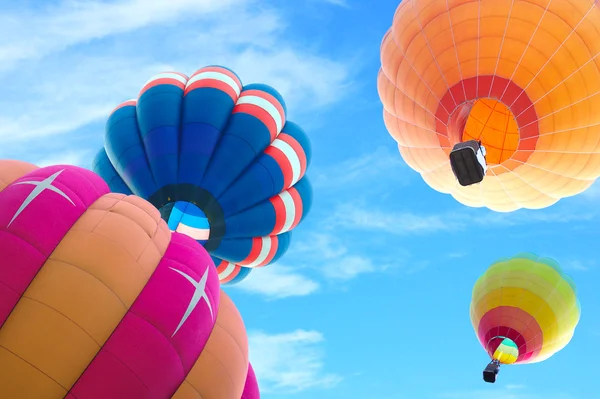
x=40 y=186
x=199 y=293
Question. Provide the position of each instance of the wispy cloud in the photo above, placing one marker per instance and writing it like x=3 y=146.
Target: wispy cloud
x=353 y=215
x=277 y=282
x=578 y=265
x=508 y=392
x=364 y=169
x=343 y=258
x=290 y=362
x=78 y=158
x=341 y=3
x=67 y=64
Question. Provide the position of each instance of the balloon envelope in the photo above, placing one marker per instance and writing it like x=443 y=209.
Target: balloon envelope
x=520 y=76
x=524 y=309
x=98 y=299
x=218 y=159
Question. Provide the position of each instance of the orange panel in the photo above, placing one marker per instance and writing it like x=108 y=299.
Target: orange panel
x=80 y=295
x=11 y=170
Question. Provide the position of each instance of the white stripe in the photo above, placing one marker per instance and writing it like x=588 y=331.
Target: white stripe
x=195 y=233
x=167 y=75
x=291 y=155
x=264 y=252
x=227 y=272
x=267 y=106
x=216 y=76
x=290 y=211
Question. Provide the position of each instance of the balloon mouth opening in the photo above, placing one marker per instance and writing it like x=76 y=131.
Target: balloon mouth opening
x=493 y=123
x=503 y=349
x=188 y=219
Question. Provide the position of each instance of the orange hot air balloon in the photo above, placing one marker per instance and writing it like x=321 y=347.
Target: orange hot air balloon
x=98 y=299
x=520 y=76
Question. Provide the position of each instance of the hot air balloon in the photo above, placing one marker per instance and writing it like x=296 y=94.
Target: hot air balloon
x=519 y=78
x=218 y=159
x=524 y=309
x=98 y=299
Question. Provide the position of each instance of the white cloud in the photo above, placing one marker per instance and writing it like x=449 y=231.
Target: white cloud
x=364 y=168
x=290 y=362
x=508 y=392
x=578 y=265
x=276 y=282
x=65 y=66
x=341 y=3
x=77 y=158
x=332 y=257
x=341 y=259
x=352 y=215
x=30 y=34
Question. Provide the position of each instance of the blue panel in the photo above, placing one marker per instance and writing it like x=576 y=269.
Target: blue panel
x=258 y=221
x=125 y=150
x=102 y=167
x=306 y=194
x=284 y=245
x=231 y=157
x=260 y=181
x=205 y=115
x=159 y=117
x=234 y=250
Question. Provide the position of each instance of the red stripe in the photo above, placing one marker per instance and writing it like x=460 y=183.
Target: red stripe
x=269 y=98
x=222 y=266
x=142 y=358
x=33 y=235
x=255 y=251
x=515 y=324
x=234 y=274
x=260 y=114
x=272 y=252
x=297 y=205
x=283 y=162
x=298 y=149
x=223 y=71
x=124 y=104
x=213 y=84
x=162 y=81
x=280 y=213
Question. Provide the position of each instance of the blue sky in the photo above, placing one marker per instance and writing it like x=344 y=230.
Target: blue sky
x=372 y=299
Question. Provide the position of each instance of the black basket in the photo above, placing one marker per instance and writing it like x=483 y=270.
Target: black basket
x=464 y=163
